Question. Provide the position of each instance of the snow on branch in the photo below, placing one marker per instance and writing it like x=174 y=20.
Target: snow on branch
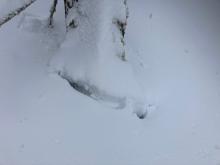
x=14 y=13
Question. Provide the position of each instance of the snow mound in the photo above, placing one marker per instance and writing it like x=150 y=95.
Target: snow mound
x=93 y=51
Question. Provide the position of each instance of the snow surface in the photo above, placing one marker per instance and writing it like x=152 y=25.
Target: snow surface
x=173 y=66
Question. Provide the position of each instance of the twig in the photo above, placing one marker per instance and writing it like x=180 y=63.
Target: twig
x=14 y=13
x=52 y=11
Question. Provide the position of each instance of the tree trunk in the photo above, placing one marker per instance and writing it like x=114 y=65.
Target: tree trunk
x=68 y=5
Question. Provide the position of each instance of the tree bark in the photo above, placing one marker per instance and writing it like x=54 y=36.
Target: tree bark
x=68 y=5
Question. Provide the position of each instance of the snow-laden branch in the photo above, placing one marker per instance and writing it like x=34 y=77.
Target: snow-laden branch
x=14 y=13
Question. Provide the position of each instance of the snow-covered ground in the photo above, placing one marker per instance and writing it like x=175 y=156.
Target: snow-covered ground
x=174 y=50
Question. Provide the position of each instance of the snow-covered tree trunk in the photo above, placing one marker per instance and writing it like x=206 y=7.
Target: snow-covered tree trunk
x=120 y=21
x=70 y=6
x=93 y=53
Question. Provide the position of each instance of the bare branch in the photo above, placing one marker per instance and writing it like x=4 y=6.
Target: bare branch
x=52 y=11
x=14 y=13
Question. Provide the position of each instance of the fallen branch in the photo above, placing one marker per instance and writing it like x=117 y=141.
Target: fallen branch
x=14 y=13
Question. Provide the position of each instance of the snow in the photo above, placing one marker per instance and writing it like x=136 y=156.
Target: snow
x=172 y=69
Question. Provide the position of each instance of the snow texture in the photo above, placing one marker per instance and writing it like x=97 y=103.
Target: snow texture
x=172 y=69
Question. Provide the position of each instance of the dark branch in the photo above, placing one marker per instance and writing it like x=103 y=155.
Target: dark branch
x=52 y=11
x=14 y=13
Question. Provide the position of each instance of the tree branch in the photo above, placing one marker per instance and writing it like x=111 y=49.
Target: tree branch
x=52 y=11
x=14 y=13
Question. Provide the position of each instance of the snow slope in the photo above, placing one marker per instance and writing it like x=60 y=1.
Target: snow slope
x=174 y=50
